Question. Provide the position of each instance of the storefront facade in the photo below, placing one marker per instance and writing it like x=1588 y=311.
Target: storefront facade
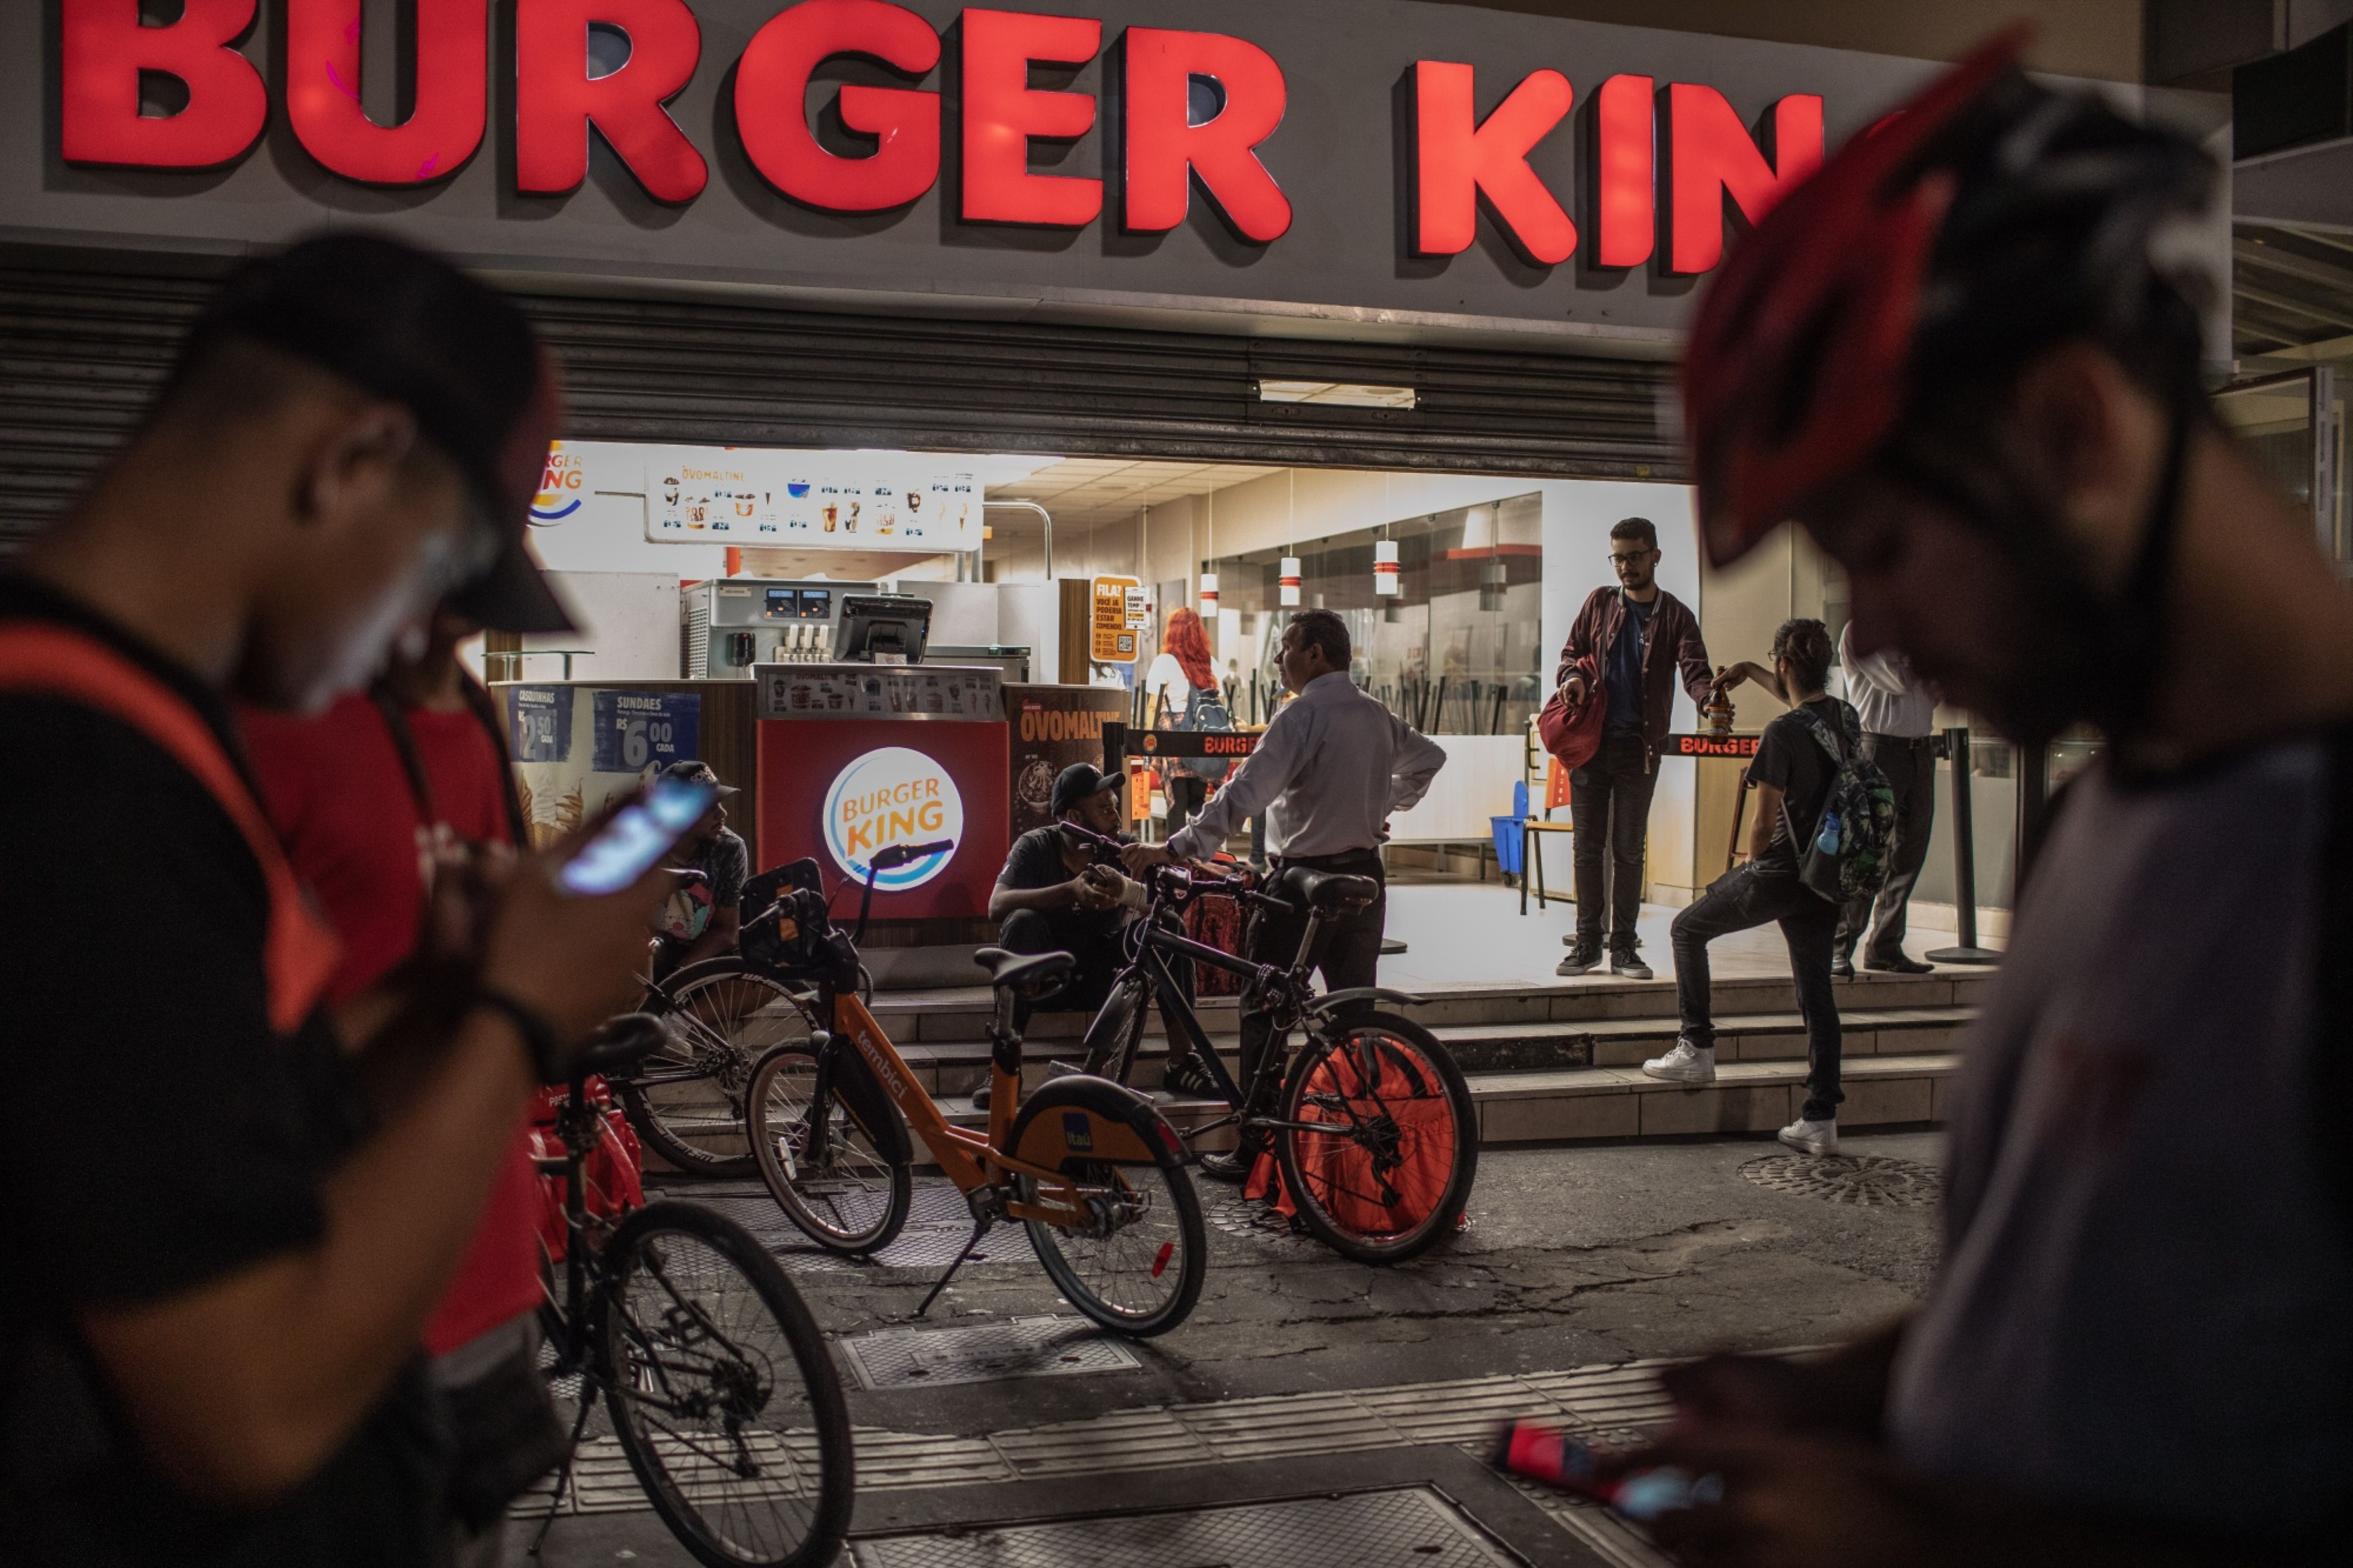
x=1131 y=230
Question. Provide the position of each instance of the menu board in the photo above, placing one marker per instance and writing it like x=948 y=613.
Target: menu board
x=880 y=691
x=814 y=500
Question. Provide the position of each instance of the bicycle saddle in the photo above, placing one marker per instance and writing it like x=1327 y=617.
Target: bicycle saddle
x=1331 y=892
x=621 y=1045
x=1023 y=968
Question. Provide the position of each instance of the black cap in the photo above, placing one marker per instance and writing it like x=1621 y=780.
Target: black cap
x=698 y=772
x=1080 y=781
x=404 y=325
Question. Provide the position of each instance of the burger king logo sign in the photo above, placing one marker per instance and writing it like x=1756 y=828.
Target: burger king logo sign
x=892 y=795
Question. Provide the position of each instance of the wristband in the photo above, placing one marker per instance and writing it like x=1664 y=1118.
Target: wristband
x=538 y=1035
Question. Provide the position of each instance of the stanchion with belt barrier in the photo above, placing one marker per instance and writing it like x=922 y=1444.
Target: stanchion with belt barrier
x=1954 y=746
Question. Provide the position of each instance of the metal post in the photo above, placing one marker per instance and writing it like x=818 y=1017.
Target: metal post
x=1965 y=861
x=2324 y=457
x=1044 y=516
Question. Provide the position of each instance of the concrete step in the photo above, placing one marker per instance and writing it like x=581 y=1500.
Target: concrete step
x=957 y=1066
x=962 y=1014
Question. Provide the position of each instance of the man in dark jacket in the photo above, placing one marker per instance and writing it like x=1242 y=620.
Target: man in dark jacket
x=1637 y=636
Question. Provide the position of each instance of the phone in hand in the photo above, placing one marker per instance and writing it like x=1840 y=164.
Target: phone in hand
x=636 y=836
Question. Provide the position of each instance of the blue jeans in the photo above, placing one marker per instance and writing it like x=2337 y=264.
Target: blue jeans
x=1741 y=901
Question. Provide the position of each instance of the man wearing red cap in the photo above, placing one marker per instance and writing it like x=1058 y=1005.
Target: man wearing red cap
x=1966 y=357
x=229 y=1229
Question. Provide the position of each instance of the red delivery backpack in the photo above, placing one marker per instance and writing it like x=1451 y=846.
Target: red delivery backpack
x=1574 y=734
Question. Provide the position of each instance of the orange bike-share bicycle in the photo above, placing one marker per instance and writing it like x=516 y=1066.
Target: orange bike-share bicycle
x=1088 y=1166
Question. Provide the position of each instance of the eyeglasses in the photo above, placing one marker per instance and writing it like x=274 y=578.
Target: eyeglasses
x=1635 y=559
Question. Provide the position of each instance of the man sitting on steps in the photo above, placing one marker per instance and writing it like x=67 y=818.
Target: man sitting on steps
x=1792 y=774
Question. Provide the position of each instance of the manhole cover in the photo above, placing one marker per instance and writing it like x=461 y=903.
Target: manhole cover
x=1867 y=1181
x=1025 y=1347
x=1416 y=1528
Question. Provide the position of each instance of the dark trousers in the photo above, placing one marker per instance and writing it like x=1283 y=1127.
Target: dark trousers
x=1097 y=943
x=1347 y=950
x=1093 y=941
x=1609 y=807
x=1910 y=770
x=1740 y=899
x=1185 y=793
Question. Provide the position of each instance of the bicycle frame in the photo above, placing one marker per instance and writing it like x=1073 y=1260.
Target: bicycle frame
x=972 y=1160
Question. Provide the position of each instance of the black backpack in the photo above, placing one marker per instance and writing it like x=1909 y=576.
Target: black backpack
x=1206 y=715
x=1847 y=858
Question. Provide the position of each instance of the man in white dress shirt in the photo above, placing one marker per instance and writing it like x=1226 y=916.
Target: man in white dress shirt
x=1899 y=720
x=1328 y=773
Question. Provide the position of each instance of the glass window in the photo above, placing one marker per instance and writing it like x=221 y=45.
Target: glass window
x=1457 y=650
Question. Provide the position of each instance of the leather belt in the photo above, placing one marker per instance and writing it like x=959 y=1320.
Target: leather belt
x=1915 y=742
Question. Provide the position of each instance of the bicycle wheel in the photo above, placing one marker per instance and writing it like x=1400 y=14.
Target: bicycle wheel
x=721 y=1392
x=1109 y=1048
x=687 y=1100
x=839 y=1174
x=1137 y=1265
x=1391 y=1176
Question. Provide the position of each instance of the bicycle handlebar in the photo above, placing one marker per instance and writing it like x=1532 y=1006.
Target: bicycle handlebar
x=890 y=857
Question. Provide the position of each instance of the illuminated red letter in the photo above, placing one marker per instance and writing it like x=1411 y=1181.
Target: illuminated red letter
x=1458 y=158
x=1161 y=143
x=323 y=91
x=1623 y=160
x=1710 y=155
x=772 y=105
x=1001 y=113
x=556 y=101
x=104 y=48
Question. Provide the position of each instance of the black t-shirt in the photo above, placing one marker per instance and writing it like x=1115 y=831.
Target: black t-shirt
x=1036 y=861
x=166 y=1136
x=1790 y=756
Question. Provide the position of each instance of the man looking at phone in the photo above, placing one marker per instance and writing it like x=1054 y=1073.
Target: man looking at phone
x=1966 y=355
x=212 y=1310
x=1055 y=895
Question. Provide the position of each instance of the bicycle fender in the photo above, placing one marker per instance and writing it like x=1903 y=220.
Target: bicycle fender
x=849 y=1077
x=1082 y=1118
x=1357 y=993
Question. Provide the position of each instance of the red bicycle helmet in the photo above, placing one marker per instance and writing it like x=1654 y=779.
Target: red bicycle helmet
x=1987 y=218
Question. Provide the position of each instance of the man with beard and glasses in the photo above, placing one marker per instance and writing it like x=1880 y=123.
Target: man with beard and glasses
x=1964 y=356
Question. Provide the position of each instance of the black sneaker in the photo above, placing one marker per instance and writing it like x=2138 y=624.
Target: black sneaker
x=1627 y=965
x=1903 y=964
x=1189 y=1077
x=1842 y=966
x=1582 y=956
x=980 y=1097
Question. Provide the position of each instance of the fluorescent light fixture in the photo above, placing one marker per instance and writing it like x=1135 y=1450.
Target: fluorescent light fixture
x=1287 y=581
x=1341 y=394
x=1384 y=567
x=1209 y=596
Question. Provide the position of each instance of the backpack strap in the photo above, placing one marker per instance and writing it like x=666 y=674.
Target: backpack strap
x=299 y=951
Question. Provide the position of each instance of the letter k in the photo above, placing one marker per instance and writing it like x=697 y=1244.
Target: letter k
x=1458 y=159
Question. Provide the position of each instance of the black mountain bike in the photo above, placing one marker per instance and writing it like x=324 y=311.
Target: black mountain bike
x=678 y=1327
x=1369 y=1121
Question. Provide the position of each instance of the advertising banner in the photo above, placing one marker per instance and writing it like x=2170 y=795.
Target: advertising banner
x=1052 y=727
x=640 y=730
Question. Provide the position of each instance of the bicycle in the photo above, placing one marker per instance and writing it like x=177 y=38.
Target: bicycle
x=1372 y=1125
x=1094 y=1173
x=714 y=1378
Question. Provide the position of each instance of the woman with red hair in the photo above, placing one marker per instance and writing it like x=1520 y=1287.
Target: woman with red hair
x=1182 y=668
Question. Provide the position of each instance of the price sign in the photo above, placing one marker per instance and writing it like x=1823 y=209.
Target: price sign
x=539 y=722
x=637 y=731
x=1114 y=633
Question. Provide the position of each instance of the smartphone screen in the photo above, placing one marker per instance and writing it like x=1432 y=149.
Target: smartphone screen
x=637 y=836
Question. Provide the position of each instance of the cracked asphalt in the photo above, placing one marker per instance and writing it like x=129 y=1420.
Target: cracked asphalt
x=1574 y=1257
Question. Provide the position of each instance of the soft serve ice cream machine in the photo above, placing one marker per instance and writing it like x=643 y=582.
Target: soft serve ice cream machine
x=729 y=623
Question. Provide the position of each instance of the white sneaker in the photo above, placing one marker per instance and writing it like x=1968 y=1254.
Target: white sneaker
x=1686 y=1063
x=1812 y=1137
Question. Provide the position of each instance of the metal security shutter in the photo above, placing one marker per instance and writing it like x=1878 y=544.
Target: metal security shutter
x=84 y=342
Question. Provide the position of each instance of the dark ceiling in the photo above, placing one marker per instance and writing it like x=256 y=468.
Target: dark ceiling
x=2290 y=288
